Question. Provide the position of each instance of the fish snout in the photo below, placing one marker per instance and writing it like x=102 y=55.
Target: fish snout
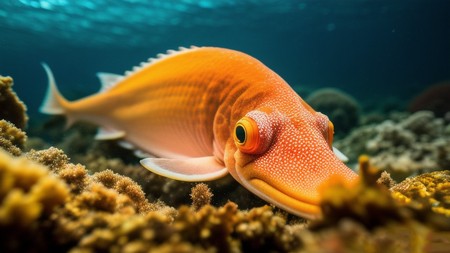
x=292 y=173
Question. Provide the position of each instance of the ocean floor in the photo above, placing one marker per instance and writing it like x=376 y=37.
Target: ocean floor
x=62 y=191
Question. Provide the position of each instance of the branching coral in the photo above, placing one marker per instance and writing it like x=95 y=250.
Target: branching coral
x=11 y=108
x=12 y=139
x=126 y=186
x=201 y=195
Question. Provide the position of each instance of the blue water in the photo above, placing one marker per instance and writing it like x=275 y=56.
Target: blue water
x=372 y=49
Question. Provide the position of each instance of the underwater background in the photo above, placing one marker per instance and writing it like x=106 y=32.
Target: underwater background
x=379 y=69
x=375 y=50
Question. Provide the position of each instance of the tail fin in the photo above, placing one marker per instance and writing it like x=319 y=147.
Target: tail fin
x=54 y=101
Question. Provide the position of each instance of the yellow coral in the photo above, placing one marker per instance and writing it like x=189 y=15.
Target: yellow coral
x=52 y=157
x=367 y=202
x=125 y=186
x=25 y=173
x=28 y=191
x=75 y=176
x=19 y=209
x=99 y=198
x=201 y=195
x=426 y=191
x=50 y=192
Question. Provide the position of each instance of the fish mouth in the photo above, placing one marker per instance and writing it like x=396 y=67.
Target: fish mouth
x=297 y=203
x=304 y=207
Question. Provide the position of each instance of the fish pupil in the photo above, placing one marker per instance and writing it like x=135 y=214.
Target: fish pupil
x=240 y=134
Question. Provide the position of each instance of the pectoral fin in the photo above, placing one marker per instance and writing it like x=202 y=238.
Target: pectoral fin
x=109 y=134
x=186 y=169
x=340 y=155
x=126 y=145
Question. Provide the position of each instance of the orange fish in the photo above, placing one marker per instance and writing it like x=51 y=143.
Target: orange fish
x=206 y=112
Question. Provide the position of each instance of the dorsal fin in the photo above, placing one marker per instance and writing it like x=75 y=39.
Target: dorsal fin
x=159 y=57
x=108 y=80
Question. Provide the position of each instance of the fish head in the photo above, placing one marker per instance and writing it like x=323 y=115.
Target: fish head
x=285 y=158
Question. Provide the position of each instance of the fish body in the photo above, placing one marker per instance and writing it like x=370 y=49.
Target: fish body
x=205 y=112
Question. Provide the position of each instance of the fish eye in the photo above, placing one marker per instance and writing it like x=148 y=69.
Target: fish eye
x=253 y=133
x=241 y=135
x=246 y=135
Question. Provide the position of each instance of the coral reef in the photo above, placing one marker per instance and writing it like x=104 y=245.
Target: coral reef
x=435 y=98
x=105 y=190
x=12 y=139
x=224 y=229
x=341 y=108
x=108 y=212
x=85 y=202
x=405 y=145
x=11 y=108
x=28 y=195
